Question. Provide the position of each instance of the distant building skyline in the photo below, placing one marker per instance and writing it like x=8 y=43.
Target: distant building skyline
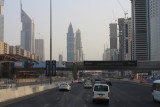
x=27 y=32
x=70 y=43
x=1 y=21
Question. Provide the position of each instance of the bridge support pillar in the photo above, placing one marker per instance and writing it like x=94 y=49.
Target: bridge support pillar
x=75 y=71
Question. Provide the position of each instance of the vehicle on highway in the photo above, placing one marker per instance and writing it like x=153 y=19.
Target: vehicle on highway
x=156 y=91
x=64 y=86
x=101 y=93
x=108 y=82
x=88 y=84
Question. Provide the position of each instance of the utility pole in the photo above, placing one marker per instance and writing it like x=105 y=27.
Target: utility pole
x=50 y=76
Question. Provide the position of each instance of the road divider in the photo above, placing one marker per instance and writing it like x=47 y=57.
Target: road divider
x=12 y=93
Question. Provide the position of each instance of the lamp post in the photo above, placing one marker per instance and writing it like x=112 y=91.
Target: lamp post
x=50 y=42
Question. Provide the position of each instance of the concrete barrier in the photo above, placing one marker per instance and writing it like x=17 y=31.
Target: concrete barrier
x=12 y=93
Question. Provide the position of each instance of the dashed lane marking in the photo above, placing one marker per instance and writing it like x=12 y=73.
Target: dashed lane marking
x=46 y=105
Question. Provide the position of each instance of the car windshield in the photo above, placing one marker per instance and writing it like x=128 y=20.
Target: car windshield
x=100 y=88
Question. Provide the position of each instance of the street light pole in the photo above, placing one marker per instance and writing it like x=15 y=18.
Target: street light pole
x=50 y=42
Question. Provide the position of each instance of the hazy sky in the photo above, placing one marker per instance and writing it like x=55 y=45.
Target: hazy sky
x=92 y=17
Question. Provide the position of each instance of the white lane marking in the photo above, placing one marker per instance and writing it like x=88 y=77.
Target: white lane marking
x=46 y=105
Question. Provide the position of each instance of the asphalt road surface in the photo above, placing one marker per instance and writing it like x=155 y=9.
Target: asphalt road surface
x=123 y=94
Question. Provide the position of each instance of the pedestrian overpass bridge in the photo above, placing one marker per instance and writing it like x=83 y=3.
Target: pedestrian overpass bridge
x=112 y=65
x=135 y=66
x=104 y=65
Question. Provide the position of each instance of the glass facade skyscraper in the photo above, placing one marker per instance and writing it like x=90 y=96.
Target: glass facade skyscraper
x=27 y=33
x=141 y=32
x=70 y=44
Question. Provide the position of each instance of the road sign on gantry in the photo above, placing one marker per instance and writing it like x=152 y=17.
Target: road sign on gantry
x=51 y=70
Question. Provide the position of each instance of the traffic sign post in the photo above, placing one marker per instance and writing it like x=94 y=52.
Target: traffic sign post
x=51 y=69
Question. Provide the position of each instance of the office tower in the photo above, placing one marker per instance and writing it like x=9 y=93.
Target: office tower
x=78 y=46
x=1 y=21
x=113 y=41
x=127 y=39
x=70 y=44
x=155 y=29
x=27 y=33
x=140 y=30
x=113 y=35
x=121 y=38
x=39 y=48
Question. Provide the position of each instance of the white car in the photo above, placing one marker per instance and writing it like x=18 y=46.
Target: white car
x=87 y=85
x=101 y=93
x=156 y=91
x=64 y=86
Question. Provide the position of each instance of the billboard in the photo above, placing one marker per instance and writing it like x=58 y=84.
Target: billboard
x=19 y=64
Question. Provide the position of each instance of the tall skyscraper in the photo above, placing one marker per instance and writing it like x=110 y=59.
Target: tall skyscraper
x=113 y=35
x=141 y=32
x=121 y=38
x=127 y=39
x=1 y=21
x=39 y=48
x=155 y=29
x=113 y=41
x=78 y=46
x=27 y=33
x=70 y=44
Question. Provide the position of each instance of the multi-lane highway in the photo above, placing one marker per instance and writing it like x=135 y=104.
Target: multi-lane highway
x=123 y=94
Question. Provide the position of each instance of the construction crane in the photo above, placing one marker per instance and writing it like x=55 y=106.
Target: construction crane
x=125 y=12
x=114 y=16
